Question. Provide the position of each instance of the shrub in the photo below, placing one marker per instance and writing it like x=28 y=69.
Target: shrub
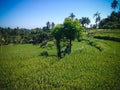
x=90 y=34
x=80 y=39
x=43 y=44
x=44 y=53
x=108 y=38
x=95 y=44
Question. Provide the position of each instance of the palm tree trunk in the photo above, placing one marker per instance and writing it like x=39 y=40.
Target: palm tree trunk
x=96 y=25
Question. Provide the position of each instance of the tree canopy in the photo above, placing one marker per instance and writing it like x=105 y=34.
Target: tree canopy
x=71 y=29
x=97 y=18
x=58 y=34
x=111 y=22
x=84 y=21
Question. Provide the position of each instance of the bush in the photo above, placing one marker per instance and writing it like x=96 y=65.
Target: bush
x=44 y=53
x=43 y=44
x=95 y=44
x=80 y=39
x=108 y=38
x=90 y=34
x=92 y=43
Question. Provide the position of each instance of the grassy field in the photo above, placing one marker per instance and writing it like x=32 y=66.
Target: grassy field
x=87 y=68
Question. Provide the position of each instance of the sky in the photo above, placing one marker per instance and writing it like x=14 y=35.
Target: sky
x=35 y=13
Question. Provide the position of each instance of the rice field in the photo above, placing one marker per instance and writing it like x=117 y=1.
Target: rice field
x=87 y=68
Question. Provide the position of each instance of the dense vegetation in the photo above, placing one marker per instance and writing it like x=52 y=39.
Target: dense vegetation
x=111 y=22
x=86 y=68
x=22 y=36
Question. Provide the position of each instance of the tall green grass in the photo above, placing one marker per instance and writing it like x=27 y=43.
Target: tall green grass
x=86 y=68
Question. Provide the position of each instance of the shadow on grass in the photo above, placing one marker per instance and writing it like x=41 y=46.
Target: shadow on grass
x=108 y=38
x=46 y=54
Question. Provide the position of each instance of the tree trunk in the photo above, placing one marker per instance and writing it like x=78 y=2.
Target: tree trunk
x=70 y=45
x=96 y=25
x=58 y=48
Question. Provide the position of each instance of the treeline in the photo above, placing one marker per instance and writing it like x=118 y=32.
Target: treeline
x=111 y=22
x=23 y=36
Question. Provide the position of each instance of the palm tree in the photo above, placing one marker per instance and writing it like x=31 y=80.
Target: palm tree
x=84 y=21
x=52 y=25
x=87 y=21
x=97 y=18
x=48 y=25
x=72 y=16
x=114 y=4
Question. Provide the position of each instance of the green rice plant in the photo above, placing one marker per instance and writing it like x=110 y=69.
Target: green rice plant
x=86 y=68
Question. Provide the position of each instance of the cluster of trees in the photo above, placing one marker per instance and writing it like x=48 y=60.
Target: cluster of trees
x=49 y=26
x=84 y=21
x=22 y=35
x=69 y=30
x=113 y=20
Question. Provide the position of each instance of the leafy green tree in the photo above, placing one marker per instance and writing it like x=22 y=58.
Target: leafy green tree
x=58 y=34
x=97 y=18
x=71 y=29
x=111 y=22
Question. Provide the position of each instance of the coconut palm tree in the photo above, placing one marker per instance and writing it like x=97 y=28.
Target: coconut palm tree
x=52 y=25
x=72 y=16
x=48 y=25
x=114 y=4
x=84 y=21
x=97 y=18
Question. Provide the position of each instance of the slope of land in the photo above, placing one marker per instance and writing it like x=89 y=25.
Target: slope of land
x=87 y=68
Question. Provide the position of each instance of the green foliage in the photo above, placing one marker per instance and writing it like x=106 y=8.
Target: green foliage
x=108 y=38
x=72 y=29
x=113 y=35
x=57 y=32
x=22 y=36
x=85 y=21
x=97 y=18
x=106 y=32
x=87 y=68
x=96 y=44
x=44 y=53
x=111 y=22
